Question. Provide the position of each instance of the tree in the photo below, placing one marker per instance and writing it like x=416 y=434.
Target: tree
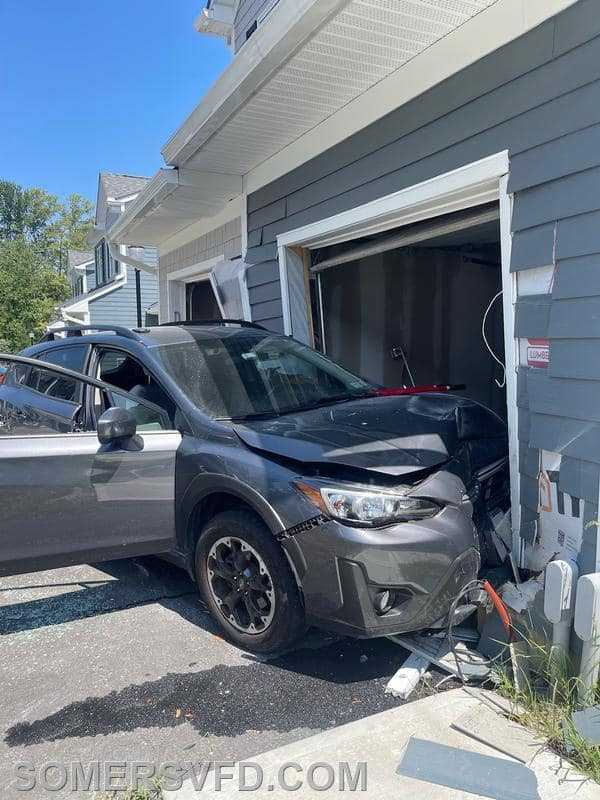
x=30 y=290
x=43 y=221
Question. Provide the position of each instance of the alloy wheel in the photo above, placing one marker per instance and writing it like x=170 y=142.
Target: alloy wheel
x=241 y=585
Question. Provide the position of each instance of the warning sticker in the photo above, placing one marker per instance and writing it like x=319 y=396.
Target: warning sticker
x=538 y=353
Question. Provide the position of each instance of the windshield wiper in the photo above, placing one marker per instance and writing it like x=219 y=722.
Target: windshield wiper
x=249 y=417
x=325 y=401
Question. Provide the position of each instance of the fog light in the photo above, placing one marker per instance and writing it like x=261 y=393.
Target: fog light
x=384 y=601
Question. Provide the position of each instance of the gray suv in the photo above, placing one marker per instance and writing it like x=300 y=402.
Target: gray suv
x=294 y=492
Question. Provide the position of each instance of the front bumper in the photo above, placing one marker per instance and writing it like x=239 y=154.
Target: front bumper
x=425 y=564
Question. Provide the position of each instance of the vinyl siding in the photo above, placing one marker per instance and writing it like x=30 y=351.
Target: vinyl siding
x=119 y=307
x=538 y=98
x=249 y=11
x=225 y=241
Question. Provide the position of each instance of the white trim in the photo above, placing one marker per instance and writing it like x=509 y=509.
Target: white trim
x=233 y=210
x=511 y=360
x=471 y=185
x=492 y=28
x=177 y=279
x=190 y=274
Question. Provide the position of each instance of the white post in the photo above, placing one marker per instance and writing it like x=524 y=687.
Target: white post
x=559 y=602
x=587 y=627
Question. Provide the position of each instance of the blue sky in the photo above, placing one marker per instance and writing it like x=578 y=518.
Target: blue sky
x=90 y=86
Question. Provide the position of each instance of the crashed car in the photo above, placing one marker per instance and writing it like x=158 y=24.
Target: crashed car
x=294 y=492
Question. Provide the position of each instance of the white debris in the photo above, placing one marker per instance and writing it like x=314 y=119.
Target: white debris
x=521 y=597
x=406 y=680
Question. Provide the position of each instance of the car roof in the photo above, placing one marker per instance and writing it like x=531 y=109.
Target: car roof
x=150 y=337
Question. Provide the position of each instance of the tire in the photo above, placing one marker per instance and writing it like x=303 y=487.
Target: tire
x=266 y=615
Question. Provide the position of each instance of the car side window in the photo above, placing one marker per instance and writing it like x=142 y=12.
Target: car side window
x=71 y=356
x=39 y=402
x=125 y=372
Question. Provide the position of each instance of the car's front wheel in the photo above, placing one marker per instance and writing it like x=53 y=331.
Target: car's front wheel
x=247 y=583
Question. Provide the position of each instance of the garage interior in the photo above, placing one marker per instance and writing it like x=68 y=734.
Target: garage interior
x=201 y=303
x=407 y=307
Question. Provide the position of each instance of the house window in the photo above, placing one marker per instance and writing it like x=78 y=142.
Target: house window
x=78 y=286
x=101 y=263
x=106 y=266
x=251 y=29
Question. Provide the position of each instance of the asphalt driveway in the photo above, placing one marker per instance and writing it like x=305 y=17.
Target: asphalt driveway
x=119 y=662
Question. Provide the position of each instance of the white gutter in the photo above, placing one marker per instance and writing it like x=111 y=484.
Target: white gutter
x=289 y=24
x=132 y=262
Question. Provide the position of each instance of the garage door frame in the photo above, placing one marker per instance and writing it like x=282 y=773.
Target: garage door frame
x=475 y=184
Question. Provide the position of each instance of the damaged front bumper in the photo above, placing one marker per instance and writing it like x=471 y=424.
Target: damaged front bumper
x=422 y=565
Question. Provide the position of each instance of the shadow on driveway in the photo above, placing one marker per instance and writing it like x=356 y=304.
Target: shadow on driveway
x=282 y=695
x=129 y=583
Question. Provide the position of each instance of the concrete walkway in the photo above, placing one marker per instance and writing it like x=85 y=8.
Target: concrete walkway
x=380 y=741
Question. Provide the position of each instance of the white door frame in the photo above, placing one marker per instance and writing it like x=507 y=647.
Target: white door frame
x=177 y=280
x=481 y=182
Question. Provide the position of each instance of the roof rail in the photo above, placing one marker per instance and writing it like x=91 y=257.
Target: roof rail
x=77 y=330
x=243 y=323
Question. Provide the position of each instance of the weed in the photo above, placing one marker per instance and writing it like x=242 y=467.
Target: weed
x=545 y=701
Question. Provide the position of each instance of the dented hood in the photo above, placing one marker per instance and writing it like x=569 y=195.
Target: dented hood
x=391 y=435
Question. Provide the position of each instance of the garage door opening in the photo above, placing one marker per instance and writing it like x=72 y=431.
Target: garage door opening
x=201 y=301
x=408 y=306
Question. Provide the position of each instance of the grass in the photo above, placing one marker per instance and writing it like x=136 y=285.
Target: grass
x=155 y=793
x=545 y=701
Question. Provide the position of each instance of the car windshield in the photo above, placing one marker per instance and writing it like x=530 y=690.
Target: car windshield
x=250 y=375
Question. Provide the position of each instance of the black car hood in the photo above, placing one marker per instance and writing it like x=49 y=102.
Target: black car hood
x=391 y=435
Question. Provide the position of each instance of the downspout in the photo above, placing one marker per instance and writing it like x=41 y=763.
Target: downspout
x=132 y=262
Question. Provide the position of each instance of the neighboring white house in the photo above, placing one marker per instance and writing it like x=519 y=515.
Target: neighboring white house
x=106 y=288
x=369 y=176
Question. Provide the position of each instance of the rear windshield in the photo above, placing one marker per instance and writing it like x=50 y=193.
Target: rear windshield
x=251 y=374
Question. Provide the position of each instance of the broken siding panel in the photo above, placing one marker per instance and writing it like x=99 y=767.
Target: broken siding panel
x=530 y=493
x=579 y=479
x=529 y=460
x=561 y=397
x=532 y=316
x=267 y=214
x=533 y=248
x=589 y=546
x=570 y=437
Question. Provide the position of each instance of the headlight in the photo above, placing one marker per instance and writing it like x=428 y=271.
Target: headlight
x=371 y=509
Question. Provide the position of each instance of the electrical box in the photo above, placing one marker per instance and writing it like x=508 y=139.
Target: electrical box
x=587 y=607
x=559 y=590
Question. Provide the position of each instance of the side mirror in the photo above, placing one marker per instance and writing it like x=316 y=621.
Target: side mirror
x=116 y=425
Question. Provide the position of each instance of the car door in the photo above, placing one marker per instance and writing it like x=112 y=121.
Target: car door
x=64 y=497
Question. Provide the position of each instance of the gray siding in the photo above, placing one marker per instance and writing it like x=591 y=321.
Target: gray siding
x=248 y=12
x=224 y=241
x=539 y=98
x=120 y=306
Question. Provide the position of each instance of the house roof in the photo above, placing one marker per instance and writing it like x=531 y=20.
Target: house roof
x=117 y=186
x=314 y=73
x=78 y=258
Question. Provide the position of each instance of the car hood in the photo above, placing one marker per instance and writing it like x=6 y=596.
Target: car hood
x=391 y=435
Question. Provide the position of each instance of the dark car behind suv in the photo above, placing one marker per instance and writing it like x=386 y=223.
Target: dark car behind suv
x=289 y=488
